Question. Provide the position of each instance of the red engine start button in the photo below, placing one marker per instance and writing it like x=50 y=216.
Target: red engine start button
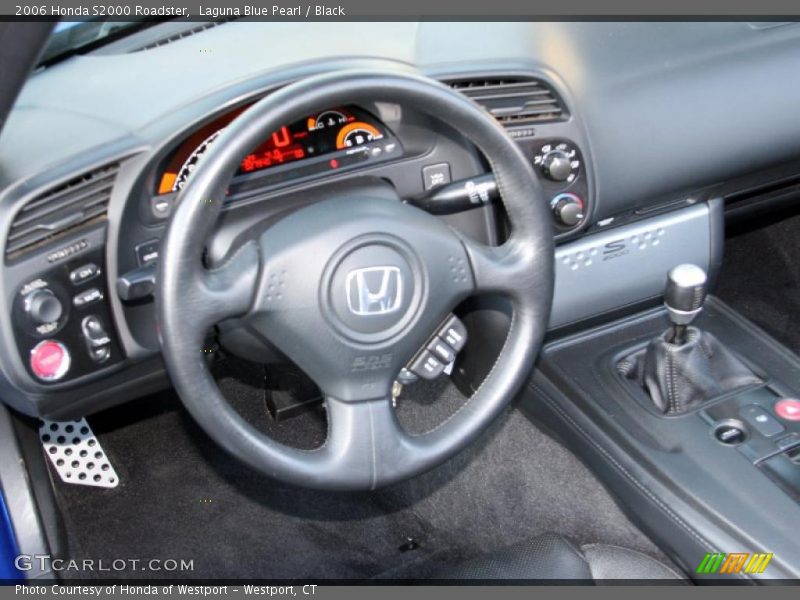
x=788 y=409
x=50 y=360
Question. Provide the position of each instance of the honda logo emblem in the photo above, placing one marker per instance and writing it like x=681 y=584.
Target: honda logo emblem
x=374 y=290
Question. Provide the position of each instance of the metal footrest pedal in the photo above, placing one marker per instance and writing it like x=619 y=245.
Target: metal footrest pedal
x=76 y=453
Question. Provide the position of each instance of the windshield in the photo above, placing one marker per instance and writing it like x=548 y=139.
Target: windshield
x=72 y=37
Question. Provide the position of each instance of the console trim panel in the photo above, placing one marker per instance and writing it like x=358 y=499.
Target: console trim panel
x=628 y=264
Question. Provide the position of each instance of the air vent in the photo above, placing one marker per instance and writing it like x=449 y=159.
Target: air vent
x=78 y=202
x=513 y=100
x=179 y=35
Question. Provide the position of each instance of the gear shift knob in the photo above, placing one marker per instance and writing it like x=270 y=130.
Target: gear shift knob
x=685 y=292
x=684 y=296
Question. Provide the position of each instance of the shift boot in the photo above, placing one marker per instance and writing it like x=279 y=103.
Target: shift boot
x=680 y=377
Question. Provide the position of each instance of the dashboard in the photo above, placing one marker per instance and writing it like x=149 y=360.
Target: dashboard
x=91 y=172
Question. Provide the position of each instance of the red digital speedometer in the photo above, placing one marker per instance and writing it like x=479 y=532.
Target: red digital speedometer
x=317 y=135
x=282 y=147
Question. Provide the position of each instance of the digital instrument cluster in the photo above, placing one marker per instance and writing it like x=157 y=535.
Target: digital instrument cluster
x=326 y=141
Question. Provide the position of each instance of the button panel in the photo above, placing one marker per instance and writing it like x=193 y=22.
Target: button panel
x=559 y=164
x=439 y=352
x=759 y=412
x=62 y=323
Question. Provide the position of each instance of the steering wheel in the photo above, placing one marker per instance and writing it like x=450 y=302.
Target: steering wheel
x=293 y=286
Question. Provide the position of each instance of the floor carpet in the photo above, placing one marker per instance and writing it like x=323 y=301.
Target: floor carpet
x=181 y=497
x=760 y=275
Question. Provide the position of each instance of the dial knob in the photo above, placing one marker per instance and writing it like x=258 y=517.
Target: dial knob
x=556 y=165
x=567 y=209
x=42 y=306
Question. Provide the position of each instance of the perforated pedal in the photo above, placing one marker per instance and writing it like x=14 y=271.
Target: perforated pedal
x=76 y=453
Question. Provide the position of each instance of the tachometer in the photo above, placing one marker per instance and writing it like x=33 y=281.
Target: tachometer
x=188 y=165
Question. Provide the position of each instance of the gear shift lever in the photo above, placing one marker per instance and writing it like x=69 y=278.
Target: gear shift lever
x=685 y=366
x=683 y=298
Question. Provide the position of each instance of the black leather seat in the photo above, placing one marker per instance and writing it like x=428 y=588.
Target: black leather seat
x=551 y=556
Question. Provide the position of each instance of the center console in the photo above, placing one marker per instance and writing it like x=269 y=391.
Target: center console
x=721 y=475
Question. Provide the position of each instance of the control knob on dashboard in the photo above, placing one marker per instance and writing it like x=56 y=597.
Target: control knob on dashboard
x=43 y=306
x=568 y=209
x=556 y=165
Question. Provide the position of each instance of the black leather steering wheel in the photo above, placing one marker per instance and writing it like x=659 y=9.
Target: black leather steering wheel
x=291 y=285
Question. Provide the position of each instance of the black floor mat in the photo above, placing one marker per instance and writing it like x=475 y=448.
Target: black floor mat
x=760 y=276
x=181 y=497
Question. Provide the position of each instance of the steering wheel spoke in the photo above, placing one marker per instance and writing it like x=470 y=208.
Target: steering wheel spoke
x=506 y=269
x=208 y=296
x=228 y=289
x=360 y=437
